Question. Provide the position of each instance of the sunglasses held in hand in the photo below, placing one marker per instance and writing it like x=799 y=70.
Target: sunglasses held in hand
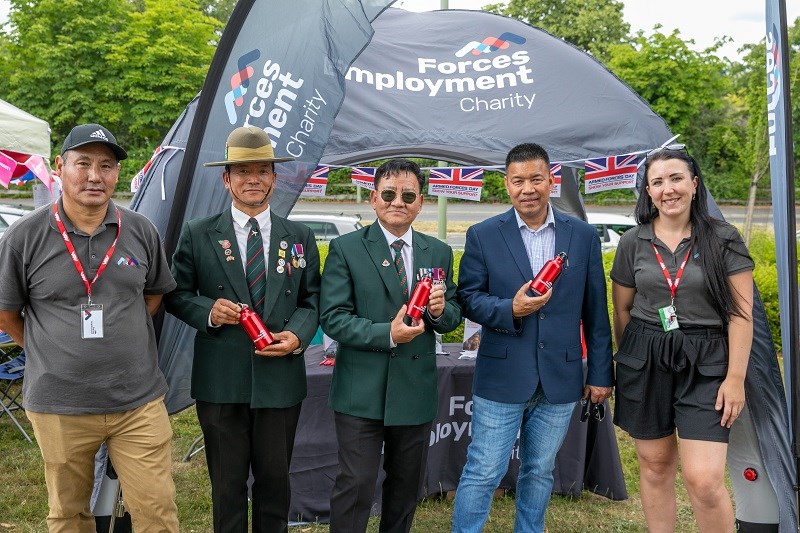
x=595 y=410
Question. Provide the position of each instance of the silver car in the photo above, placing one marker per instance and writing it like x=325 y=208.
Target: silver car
x=9 y=215
x=610 y=228
x=327 y=227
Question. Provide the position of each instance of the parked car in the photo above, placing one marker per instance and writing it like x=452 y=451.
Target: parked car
x=327 y=227
x=9 y=215
x=610 y=228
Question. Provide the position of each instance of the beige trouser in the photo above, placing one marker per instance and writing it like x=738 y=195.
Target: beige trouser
x=139 y=445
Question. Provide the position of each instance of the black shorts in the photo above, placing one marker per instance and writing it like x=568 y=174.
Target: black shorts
x=668 y=380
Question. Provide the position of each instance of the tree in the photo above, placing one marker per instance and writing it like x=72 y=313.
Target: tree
x=57 y=59
x=159 y=60
x=218 y=9
x=752 y=92
x=591 y=25
x=132 y=65
x=691 y=91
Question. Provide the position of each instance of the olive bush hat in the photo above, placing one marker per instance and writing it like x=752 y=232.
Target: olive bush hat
x=248 y=144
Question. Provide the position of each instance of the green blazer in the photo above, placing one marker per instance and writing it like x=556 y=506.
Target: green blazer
x=360 y=296
x=225 y=367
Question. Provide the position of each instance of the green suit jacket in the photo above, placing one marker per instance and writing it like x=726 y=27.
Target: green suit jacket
x=360 y=296
x=225 y=367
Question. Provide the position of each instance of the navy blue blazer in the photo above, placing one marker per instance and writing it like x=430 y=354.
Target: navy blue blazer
x=545 y=346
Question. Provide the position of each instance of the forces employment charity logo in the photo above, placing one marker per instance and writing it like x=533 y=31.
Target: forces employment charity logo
x=490 y=44
x=127 y=261
x=239 y=84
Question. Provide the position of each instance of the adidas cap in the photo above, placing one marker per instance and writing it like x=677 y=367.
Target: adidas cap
x=92 y=133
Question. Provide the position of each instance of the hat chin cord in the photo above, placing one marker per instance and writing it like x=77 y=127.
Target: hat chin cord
x=250 y=204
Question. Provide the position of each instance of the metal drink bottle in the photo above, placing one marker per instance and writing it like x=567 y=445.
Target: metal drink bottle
x=255 y=328
x=418 y=301
x=548 y=275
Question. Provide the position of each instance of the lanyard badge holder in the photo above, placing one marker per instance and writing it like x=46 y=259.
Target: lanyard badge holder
x=667 y=314
x=91 y=314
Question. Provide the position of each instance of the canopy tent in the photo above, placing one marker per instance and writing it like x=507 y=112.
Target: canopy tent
x=466 y=86
x=463 y=86
x=24 y=146
x=23 y=133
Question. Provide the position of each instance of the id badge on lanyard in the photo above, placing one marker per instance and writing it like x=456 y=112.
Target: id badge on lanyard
x=91 y=314
x=668 y=315
x=91 y=321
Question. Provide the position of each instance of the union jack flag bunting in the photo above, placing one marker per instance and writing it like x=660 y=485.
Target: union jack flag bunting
x=137 y=180
x=458 y=182
x=317 y=182
x=364 y=177
x=612 y=172
x=25 y=178
x=555 y=171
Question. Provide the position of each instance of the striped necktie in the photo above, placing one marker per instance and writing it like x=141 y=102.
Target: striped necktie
x=255 y=270
x=400 y=266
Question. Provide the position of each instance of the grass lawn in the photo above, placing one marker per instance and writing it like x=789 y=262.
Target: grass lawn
x=23 y=497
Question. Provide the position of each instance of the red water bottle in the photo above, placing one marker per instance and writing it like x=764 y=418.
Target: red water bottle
x=418 y=301
x=255 y=328
x=548 y=275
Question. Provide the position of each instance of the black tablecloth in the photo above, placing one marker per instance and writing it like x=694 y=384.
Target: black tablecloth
x=589 y=458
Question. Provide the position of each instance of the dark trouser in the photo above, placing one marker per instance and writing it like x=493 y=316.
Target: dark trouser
x=405 y=450
x=238 y=439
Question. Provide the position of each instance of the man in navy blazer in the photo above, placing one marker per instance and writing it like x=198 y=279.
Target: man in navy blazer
x=529 y=371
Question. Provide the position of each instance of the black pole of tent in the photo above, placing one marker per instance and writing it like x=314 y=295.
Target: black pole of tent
x=196 y=134
x=788 y=185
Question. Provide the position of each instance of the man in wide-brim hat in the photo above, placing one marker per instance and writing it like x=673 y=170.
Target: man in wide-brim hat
x=248 y=400
x=248 y=144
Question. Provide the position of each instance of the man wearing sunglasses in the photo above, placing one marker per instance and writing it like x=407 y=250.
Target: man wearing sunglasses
x=384 y=382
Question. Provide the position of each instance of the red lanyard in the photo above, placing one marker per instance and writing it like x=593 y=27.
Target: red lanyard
x=74 y=256
x=673 y=286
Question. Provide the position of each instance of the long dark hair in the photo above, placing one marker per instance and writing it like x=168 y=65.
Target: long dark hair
x=706 y=237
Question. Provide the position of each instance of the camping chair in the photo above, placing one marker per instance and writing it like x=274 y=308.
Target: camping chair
x=7 y=345
x=11 y=373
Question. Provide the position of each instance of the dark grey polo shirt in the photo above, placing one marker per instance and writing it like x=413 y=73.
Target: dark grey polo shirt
x=64 y=373
x=635 y=266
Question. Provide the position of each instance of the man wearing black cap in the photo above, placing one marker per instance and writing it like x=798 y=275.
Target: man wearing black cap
x=82 y=278
x=248 y=400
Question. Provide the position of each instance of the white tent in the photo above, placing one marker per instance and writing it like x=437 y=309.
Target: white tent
x=22 y=132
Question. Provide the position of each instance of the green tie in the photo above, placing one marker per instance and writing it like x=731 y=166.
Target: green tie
x=255 y=270
x=399 y=265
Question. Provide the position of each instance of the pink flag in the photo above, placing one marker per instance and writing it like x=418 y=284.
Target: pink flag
x=36 y=164
x=7 y=166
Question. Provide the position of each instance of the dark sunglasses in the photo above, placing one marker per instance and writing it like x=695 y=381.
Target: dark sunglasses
x=595 y=410
x=408 y=197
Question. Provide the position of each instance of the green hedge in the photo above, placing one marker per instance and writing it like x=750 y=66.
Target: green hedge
x=762 y=249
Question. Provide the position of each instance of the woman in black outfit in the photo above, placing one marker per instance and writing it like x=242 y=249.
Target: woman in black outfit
x=682 y=288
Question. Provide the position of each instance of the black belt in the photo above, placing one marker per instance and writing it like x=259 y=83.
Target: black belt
x=673 y=353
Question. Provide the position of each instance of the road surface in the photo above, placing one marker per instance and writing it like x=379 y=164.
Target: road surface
x=464 y=212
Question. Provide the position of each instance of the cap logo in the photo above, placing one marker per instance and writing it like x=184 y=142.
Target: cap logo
x=99 y=135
